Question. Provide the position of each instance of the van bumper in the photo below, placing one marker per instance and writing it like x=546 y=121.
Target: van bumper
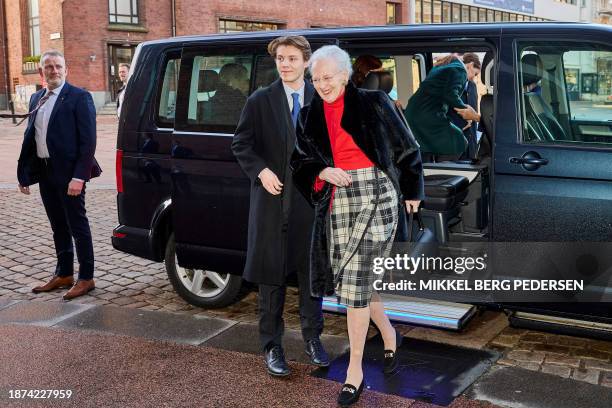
x=134 y=241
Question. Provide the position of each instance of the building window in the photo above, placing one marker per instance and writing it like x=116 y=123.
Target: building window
x=123 y=11
x=574 y=2
x=482 y=15
x=465 y=14
x=34 y=27
x=437 y=11
x=474 y=14
x=456 y=13
x=235 y=26
x=426 y=11
x=392 y=13
x=417 y=11
x=446 y=12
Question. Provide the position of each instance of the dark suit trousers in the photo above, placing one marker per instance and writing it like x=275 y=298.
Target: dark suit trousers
x=272 y=303
x=68 y=220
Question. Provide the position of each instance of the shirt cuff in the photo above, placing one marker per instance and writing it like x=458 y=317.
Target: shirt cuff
x=78 y=179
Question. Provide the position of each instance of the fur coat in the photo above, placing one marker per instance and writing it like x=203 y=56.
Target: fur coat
x=377 y=128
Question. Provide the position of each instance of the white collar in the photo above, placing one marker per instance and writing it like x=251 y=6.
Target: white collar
x=56 y=91
x=290 y=90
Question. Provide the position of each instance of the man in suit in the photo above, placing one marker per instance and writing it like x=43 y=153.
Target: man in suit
x=58 y=154
x=280 y=218
x=124 y=70
x=467 y=119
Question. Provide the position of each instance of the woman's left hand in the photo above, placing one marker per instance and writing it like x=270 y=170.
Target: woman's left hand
x=414 y=204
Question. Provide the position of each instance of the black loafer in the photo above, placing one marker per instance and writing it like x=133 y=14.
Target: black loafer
x=349 y=394
x=391 y=361
x=276 y=363
x=316 y=352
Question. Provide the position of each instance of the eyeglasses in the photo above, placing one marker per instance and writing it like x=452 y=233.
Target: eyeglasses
x=326 y=79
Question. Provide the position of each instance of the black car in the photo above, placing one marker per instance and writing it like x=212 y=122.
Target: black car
x=544 y=171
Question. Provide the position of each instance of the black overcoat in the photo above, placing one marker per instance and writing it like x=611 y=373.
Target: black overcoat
x=279 y=225
x=371 y=118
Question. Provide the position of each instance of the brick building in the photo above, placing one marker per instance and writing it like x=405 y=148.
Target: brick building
x=97 y=35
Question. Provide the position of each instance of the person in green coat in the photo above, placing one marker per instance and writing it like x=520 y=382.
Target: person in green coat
x=428 y=108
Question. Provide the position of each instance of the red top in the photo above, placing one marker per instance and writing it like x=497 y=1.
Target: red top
x=347 y=155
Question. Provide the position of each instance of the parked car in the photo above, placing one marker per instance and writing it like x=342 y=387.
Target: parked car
x=544 y=173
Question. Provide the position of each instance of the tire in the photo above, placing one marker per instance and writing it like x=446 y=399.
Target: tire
x=214 y=290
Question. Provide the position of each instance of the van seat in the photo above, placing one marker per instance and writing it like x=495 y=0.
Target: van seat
x=444 y=191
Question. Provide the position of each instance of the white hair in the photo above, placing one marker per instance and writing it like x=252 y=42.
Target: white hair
x=334 y=53
x=51 y=53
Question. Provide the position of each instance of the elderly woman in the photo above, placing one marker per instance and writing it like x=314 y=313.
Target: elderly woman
x=357 y=162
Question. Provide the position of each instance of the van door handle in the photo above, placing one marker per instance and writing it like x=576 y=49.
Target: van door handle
x=530 y=161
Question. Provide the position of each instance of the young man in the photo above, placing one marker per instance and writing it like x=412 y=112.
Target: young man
x=280 y=218
x=58 y=154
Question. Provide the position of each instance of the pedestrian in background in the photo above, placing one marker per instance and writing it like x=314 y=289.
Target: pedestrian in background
x=359 y=164
x=58 y=154
x=124 y=70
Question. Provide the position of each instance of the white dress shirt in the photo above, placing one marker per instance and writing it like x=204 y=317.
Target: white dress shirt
x=41 y=123
x=289 y=91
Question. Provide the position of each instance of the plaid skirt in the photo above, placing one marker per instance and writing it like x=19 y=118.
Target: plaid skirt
x=363 y=220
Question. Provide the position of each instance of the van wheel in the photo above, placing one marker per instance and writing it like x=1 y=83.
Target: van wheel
x=201 y=287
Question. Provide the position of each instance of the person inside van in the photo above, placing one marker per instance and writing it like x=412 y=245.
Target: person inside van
x=427 y=111
x=363 y=65
x=231 y=94
x=469 y=98
x=366 y=65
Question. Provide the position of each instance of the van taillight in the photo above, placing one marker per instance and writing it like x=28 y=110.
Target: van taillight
x=119 y=170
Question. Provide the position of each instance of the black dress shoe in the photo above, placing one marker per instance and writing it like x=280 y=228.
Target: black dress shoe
x=349 y=394
x=276 y=363
x=316 y=352
x=391 y=361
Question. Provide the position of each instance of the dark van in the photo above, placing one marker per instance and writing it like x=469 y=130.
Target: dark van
x=544 y=169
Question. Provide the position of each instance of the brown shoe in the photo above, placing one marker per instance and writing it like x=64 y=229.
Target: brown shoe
x=56 y=283
x=80 y=288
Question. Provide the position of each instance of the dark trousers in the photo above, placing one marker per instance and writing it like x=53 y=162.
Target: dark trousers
x=271 y=305
x=68 y=220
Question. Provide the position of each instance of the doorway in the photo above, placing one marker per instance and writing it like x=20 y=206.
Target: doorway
x=118 y=54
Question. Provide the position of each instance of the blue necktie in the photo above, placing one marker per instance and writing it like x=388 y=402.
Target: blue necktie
x=296 y=107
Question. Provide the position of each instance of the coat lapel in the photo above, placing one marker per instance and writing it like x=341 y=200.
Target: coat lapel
x=278 y=104
x=312 y=120
x=60 y=99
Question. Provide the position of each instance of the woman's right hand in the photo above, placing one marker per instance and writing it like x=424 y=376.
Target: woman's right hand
x=335 y=176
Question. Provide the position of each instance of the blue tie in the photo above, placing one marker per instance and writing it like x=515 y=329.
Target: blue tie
x=296 y=107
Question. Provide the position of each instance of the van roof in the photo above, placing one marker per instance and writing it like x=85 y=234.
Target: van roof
x=457 y=29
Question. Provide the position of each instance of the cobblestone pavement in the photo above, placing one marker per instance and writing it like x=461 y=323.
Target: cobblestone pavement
x=27 y=257
x=569 y=357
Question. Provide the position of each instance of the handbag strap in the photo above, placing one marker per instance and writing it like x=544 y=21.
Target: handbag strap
x=411 y=217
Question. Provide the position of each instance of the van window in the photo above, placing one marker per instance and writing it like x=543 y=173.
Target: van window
x=566 y=93
x=265 y=71
x=218 y=90
x=167 y=96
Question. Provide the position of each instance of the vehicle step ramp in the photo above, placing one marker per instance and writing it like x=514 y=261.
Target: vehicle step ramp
x=412 y=310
